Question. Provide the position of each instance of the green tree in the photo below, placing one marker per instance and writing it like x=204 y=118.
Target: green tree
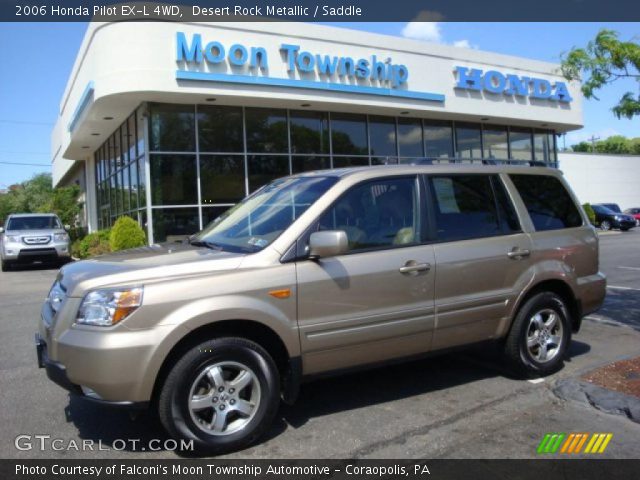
x=582 y=147
x=603 y=61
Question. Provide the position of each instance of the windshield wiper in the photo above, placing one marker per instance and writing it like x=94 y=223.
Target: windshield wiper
x=202 y=243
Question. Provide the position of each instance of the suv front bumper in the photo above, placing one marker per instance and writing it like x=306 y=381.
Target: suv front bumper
x=18 y=252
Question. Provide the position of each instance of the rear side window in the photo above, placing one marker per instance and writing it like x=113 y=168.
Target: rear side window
x=471 y=206
x=549 y=204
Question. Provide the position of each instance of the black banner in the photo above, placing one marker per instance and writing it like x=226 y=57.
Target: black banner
x=321 y=11
x=214 y=469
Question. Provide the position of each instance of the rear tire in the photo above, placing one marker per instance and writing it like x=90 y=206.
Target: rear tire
x=605 y=225
x=198 y=400
x=540 y=335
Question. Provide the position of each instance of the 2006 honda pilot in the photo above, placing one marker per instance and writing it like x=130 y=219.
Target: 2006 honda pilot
x=320 y=272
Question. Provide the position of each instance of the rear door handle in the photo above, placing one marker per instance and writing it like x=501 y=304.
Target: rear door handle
x=517 y=254
x=413 y=268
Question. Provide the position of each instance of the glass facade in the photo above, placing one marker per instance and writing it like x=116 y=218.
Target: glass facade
x=202 y=159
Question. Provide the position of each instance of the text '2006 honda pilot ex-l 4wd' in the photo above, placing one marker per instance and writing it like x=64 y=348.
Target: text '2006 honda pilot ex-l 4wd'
x=318 y=273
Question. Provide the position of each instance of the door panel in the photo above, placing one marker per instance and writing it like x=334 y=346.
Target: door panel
x=358 y=308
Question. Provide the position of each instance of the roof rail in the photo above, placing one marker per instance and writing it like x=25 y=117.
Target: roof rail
x=483 y=161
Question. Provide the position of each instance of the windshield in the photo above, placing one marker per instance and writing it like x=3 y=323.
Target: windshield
x=260 y=218
x=33 y=223
x=604 y=210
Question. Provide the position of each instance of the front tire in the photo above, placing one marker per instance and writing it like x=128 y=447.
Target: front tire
x=540 y=335
x=6 y=266
x=222 y=394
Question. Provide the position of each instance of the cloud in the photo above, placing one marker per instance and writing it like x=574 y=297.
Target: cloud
x=431 y=32
x=427 y=31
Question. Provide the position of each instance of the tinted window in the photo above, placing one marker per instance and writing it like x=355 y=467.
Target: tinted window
x=465 y=207
x=267 y=130
x=382 y=132
x=221 y=178
x=438 y=139
x=309 y=132
x=174 y=179
x=495 y=142
x=172 y=128
x=349 y=134
x=548 y=203
x=376 y=214
x=520 y=143
x=33 y=223
x=468 y=142
x=220 y=129
x=410 y=142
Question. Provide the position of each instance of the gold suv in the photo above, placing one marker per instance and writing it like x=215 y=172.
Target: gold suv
x=321 y=272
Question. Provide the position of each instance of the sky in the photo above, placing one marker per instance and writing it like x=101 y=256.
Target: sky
x=37 y=60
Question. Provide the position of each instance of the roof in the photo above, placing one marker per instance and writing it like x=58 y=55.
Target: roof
x=32 y=215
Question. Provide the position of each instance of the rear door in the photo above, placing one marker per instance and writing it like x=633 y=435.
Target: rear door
x=483 y=258
x=375 y=302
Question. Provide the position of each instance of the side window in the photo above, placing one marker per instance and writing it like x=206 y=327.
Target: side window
x=377 y=214
x=466 y=207
x=549 y=204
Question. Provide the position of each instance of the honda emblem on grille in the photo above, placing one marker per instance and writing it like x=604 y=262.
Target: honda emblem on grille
x=36 y=240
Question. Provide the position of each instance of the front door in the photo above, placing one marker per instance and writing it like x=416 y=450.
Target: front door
x=375 y=302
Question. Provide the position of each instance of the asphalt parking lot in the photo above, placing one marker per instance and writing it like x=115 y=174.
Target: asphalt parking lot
x=454 y=406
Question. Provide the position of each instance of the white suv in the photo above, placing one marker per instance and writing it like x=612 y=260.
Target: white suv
x=29 y=237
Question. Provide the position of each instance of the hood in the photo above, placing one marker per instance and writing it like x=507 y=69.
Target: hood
x=143 y=265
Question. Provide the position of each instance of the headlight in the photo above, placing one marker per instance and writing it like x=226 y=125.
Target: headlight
x=12 y=238
x=61 y=237
x=56 y=296
x=106 y=307
x=618 y=218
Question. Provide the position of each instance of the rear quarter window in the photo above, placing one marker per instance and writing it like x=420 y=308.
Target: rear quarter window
x=549 y=204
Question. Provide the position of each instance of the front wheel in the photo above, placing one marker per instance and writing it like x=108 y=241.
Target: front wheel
x=540 y=335
x=605 y=225
x=222 y=394
x=6 y=266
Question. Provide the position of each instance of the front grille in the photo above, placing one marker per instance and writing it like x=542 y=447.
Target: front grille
x=39 y=240
x=38 y=252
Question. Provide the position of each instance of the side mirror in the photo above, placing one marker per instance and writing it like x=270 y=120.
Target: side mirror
x=328 y=244
x=1 y=229
x=67 y=227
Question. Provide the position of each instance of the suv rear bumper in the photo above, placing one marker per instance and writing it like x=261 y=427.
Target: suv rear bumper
x=591 y=292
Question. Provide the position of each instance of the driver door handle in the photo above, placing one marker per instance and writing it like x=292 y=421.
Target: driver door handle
x=412 y=267
x=517 y=253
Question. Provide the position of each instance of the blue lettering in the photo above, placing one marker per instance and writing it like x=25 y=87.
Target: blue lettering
x=541 y=88
x=186 y=54
x=210 y=55
x=290 y=55
x=469 y=79
x=362 y=70
x=238 y=55
x=494 y=81
x=306 y=62
x=347 y=67
x=562 y=93
x=326 y=65
x=259 y=58
x=378 y=70
x=400 y=74
x=517 y=85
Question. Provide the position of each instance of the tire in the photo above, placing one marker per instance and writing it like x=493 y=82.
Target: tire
x=624 y=229
x=208 y=373
x=6 y=266
x=605 y=225
x=523 y=346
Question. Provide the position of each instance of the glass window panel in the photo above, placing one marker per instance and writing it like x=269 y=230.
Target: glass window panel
x=133 y=172
x=142 y=184
x=209 y=214
x=465 y=207
x=344 y=162
x=111 y=154
x=410 y=141
x=520 y=143
x=307 y=164
x=382 y=136
x=549 y=204
x=349 y=134
x=221 y=178
x=438 y=139
x=126 y=190
x=172 y=128
x=541 y=146
x=265 y=168
x=376 y=214
x=117 y=150
x=124 y=142
x=384 y=161
x=173 y=179
x=174 y=224
x=220 y=129
x=553 y=154
x=468 y=141
x=140 y=123
x=266 y=130
x=309 y=132
x=131 y=136
x=495 y=142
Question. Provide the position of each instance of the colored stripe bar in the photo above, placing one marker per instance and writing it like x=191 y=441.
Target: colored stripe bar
x=565 y=447
x=606 y=441
x=582 y=442
x=543 y=443
x=306 y=84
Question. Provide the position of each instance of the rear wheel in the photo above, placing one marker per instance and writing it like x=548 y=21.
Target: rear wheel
x=222 y=394
x=540 y=335
x=605 y=225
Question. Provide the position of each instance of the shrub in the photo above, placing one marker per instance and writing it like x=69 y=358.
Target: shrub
x=96 y=243
x=590 y=213
x=126 y=233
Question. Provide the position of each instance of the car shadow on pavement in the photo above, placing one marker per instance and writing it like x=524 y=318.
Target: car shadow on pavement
x=321 y=397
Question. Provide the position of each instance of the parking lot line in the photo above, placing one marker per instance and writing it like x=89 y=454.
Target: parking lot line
x=629 y=268
x=536 y=380
x=614 y=287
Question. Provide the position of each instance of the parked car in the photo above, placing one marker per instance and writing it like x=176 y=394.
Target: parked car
x=607 y=219
x=614 y=207
x=635 y=213
x=31 y=237
x=321 y=272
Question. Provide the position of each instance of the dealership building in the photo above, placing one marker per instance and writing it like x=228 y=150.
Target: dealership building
x=172 y=123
